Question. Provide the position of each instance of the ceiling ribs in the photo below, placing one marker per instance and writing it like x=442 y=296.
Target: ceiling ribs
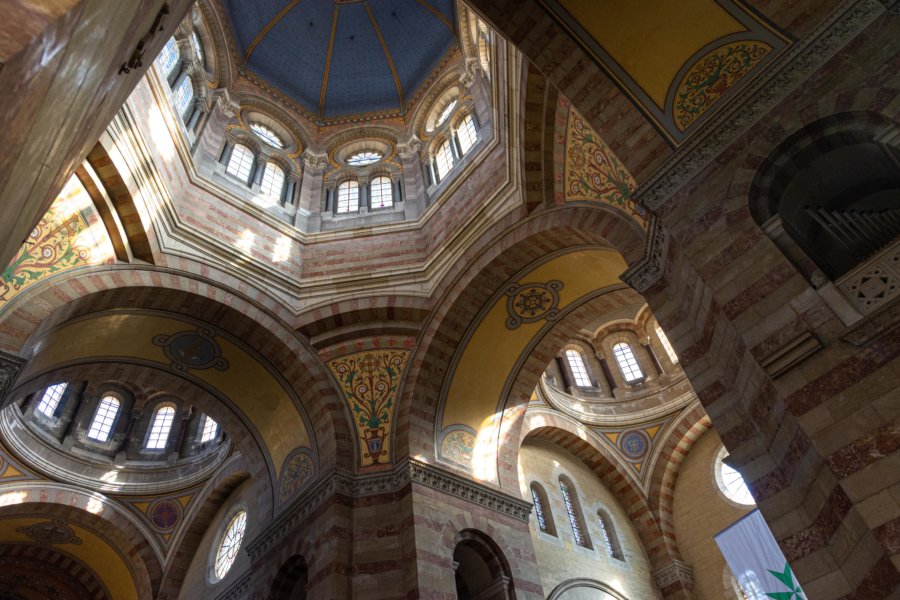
x=334 y=22
x=259 y=37
x=387 y=55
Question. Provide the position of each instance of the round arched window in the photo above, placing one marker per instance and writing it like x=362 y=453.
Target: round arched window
x=267 y=135
x=445 y=114
x=730 y=482
x=361 y=159
x=230 y=544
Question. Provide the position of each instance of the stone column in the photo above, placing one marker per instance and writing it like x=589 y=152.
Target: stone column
x=310 y=200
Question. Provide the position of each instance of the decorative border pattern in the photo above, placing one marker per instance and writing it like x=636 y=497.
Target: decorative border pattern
x=406 y=472
x=792 y=67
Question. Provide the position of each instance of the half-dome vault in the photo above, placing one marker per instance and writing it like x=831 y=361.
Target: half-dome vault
x=343 y=58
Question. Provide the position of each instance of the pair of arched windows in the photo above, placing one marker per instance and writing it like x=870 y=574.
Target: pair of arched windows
x=546 y=524
x=170 y=64
x=457 y=145
x=381 y=195
x=241 y=165
x=628 y=365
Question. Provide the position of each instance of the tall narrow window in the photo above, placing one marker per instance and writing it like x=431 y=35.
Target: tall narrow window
x=627 y=363
x=198 y=47
x=168 y=57
x=382 y=193
x=542 y=510
x=348 y=197
x=610 y=537
x=241 y=162
x=272 y=181
x=666 y=345
x=444 y=159
x=50 y=400
x=574 y=511
x=162 y=425
x=466 y=133
x=184 y=95
x=579 y=370
x=230 y=544
x=104 y=419
x=210 y=429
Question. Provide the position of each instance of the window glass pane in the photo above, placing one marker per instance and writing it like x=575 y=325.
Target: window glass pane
x=730 y=481
x=445 y=114
x=272 y=181
x=50 y=400
x=231 y=543
x=268 y=136
x=444 y=159
x=348 y=197
x=579 y=370
x=570 y=510
x=466 y=134
x=198 y=47
x=159 y=432
x=538 y=509
x=104 y=419
x=628 y=363
x=184 y=95
x=361 y=159
x=665 y=343
x=168 y=57
x=382 y=193
x=241 y=162
x=210 y=429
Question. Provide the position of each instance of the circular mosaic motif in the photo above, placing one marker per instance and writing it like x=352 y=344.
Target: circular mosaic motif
x=192 y=350
x=634 y=444
x=532 y=302
x=164 y=514
x=50 y=533
x=297 y=471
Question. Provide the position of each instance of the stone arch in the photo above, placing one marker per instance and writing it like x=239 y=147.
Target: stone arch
x=291 y=580
x=481 y=569
x=98 y=514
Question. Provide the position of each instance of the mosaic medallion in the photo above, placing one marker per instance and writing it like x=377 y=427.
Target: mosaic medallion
x=298 y=470
x=192 y=350
x=634 y=444
x=532 y=302
x=50 y=533
x=164 y=514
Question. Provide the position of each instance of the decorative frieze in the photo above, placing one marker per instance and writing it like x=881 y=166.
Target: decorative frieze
x=239 y=590
x=674 y=572
x=652 y=266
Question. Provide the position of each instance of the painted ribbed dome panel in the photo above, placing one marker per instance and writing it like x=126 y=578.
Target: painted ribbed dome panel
x=381 y=51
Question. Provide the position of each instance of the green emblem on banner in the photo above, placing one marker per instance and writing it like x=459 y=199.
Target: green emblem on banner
x=787 y=578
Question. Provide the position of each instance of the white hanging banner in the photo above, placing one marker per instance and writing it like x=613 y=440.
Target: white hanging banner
x=756 y=560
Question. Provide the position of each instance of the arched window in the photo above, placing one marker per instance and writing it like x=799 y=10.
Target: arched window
x=209 y=430
x=168 y=57
x=666 y=345
x=542 y=509
x=579 y=369
x=241 y=162
x=610 y=537
x=104 y=418
x=361 y=159
x=272 y=181
x=445 y=114
x=628 y=363
x=573 y=509
x=184 y=95
x=382 y=193
x=467 y=134
x=444 y=159
x=348 y=197
x=230 y=544
x=267 y=135
x=50 y=400
x=730 y=481
x=198 y=47
x=159 y=430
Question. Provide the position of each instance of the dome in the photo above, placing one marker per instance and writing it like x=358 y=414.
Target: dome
x=340 y=58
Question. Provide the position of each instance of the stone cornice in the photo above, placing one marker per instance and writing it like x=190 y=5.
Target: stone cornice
x=238 y=590
x=356 y=486
x=794 y=66
x=652 y=265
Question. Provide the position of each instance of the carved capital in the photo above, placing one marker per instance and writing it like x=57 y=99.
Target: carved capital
x=10 y=367
x=469 y=76
x=314 y=161
x=652 y=265
x=226 y=106
x=674 y=572
x=410 y=148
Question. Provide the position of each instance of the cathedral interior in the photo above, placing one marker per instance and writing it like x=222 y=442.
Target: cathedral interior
x=476 y=299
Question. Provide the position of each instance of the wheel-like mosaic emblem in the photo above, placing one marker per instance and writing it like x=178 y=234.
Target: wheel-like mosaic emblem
x=532 y=302
x=164 y=514
x=50 y=533
x=634 y=445
x=192 y=350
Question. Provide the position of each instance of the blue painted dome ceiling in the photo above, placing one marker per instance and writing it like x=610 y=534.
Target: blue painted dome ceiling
x=343 y=58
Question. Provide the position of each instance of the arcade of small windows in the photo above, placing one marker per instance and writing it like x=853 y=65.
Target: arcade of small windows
x=457 y=143
x=378 y=194
x=174 y=67
x=253 y=169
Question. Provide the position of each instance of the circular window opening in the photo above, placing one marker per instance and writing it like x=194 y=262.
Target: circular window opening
x=445 y=114
x=267 y=135
x=361 y=159
x=730 y=482
x=230 y=544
